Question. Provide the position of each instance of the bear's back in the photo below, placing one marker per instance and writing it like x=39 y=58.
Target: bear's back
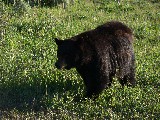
x=112 y=27
x=111 y=34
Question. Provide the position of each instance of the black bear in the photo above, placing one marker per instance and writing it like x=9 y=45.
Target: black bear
x=99 y=55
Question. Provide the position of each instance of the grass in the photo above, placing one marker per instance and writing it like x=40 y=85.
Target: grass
x=32 y=88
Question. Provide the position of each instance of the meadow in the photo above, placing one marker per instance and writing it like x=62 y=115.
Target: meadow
x=32 y=88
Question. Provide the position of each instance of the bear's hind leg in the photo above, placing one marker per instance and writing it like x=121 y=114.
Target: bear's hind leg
x=129 y=74
x=128 y=79
x=131 y=79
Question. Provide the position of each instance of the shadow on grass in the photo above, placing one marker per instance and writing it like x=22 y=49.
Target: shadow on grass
x=35 y=96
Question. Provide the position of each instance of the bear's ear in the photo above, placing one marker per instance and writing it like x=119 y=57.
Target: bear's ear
x=58 y=42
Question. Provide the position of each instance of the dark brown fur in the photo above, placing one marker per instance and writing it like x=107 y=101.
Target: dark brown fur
x=99 y=55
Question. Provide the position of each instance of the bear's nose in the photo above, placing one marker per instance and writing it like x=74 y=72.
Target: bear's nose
x=57 y=66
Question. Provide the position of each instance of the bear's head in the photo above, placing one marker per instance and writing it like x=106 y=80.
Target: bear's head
x=66 y=53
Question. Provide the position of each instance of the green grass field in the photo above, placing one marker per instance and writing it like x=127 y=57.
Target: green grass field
x=32 y=88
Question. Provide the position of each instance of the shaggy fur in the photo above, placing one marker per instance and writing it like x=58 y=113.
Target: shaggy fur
x=98 y=55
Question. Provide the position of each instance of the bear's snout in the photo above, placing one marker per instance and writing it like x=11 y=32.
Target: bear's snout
x=61 y=65
x=58 y=66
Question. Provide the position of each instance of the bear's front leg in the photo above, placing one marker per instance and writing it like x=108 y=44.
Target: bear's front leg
x=94 y=89
x=94 y=80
